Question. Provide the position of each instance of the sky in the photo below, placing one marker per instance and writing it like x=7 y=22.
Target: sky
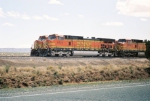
x=23 y=21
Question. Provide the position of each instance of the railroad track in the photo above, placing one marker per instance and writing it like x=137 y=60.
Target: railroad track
x=72 y=57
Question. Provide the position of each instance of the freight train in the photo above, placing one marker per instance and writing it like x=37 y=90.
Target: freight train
x=68 y=45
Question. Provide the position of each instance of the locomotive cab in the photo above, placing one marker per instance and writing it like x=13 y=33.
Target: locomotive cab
x=52 y=37
x=52 y=41
x=54 y=45
x=42 y=38
x=121 y=40
x=55 y=37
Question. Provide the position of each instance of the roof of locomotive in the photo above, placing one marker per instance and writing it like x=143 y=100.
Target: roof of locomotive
x=43 y=36
x=92 y=38
x=106 y=39
x=137 y=40
x=133 y=40
x=73 y=37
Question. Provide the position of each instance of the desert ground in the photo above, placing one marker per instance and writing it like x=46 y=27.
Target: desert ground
x=17 y=72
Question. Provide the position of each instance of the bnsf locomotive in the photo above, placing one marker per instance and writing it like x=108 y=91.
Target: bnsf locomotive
x=67 y=45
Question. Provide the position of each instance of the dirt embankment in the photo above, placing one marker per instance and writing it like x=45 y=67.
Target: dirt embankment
x=47 y=71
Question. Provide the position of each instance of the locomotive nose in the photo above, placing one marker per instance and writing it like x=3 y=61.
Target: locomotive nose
x=48 y=44
x=119 y=46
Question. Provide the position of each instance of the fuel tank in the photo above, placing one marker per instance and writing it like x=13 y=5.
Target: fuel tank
x=86 y=53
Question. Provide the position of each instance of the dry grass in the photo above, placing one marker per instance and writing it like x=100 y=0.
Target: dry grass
x=34 y=71
x=17 y=77
x=14 y=54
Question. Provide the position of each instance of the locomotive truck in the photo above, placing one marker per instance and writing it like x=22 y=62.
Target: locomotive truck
x=68 y=45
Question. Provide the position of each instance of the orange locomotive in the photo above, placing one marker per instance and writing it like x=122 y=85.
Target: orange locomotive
x=130 y=47
x=67 y=45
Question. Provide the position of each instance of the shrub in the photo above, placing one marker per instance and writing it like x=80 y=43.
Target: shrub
x=60 y=67
x=79 y=69
x=1 y=81
x=5 y=86
x=60 y=82
x=7 y=69
x=34 y=67
x=15 y=69
x=38 y=72
x=55 y=74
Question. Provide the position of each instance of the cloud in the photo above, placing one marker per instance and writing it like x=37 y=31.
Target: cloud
x=80 y=16
x=113 y=24
x=37 y=17
x=137 y=8
x=18 y=15
x=50 y=18
x=45 y=17
x=28 y=17
x=143 y=19
x=13 y=14
x=55 y=2
x=25 y=16
x=8 y=24
x=1 y=12
x=66 y=14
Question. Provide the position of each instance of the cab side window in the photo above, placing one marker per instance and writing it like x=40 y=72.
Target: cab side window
x=129 y=41
x=60 y=38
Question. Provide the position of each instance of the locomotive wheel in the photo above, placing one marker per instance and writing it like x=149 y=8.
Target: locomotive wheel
x=109 y=55
x=51 y=54
x=122 y=54
x=36 y=53
x=113 y=54
x=100 y=54
x=41 y=55
x=45 y=54
x=71 y=53
x=129 y=55
x=67 y=55
x=103 y=55
x=56 y=55
x=136 y=54
x=60 y=55
x=106 y=54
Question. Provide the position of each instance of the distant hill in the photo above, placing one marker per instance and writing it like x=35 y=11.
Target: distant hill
x=20 y=50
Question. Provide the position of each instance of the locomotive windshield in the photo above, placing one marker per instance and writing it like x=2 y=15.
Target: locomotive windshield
x=42 y=38
x=122 y=40
x=51 y=37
